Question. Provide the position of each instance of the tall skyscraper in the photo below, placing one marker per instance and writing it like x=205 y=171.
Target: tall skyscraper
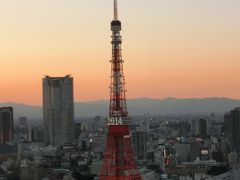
x=139 y=142
x=203 y=127
x=234 y=130
x=6 y=124
x=226 y=125
x=199 y=127
x=77 y=130
x=58 y=110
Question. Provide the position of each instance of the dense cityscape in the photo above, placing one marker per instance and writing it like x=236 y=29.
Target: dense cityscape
x=117 y=146
x=165 y=147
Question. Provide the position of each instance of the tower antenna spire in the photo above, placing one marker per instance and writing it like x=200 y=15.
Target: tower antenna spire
x=115 y=10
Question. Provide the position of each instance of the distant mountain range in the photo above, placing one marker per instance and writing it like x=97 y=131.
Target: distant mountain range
x=138 y=107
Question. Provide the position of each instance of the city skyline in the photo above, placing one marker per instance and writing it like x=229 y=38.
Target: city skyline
x=182 y=49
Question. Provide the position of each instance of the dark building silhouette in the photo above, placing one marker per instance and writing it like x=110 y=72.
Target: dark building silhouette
x=184 y=129
x=235 y=130
x=203 y=127
x=226 y=125
x=195 y=150
x=6 y=124
x=77 y=130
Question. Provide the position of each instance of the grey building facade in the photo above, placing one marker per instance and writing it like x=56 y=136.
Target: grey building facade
x=58 y=110
x=139 y=143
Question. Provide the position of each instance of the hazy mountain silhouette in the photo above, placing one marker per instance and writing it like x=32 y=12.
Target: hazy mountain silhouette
x=138 y=107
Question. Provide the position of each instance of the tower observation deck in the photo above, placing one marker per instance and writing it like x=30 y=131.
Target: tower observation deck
x=119 y=163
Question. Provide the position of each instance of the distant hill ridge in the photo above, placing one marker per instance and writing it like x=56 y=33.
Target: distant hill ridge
x=138 y=106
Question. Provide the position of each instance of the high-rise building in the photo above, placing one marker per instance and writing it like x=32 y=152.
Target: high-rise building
x=184 y=129
x=203 y=127
x=58 y=110
x=77 y=130
x=195 y=150
x=235 y=129
x=139 y=142
x=199 y=127
x=226 y=125
x=6 y=124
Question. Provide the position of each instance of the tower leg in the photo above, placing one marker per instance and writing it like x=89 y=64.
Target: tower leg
x=119 y=163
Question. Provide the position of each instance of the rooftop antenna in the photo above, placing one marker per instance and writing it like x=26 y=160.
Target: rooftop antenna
x=115 y=10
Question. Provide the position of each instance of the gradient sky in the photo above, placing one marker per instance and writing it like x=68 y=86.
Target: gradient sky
x=171 y=48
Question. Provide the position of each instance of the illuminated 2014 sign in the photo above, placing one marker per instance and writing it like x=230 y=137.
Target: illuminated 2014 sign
x=114 y=121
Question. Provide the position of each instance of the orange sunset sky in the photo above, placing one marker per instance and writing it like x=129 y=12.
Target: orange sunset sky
x=171 y=48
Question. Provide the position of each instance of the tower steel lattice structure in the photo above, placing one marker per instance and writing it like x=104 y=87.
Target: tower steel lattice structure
x=119 y=163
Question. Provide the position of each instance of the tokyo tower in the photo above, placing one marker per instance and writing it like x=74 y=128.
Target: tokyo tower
x=119 y=163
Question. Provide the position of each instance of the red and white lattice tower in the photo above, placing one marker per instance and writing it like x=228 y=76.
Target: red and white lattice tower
x=119 y=163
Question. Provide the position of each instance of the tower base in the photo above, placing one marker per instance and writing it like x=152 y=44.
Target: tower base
x=119 y=163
